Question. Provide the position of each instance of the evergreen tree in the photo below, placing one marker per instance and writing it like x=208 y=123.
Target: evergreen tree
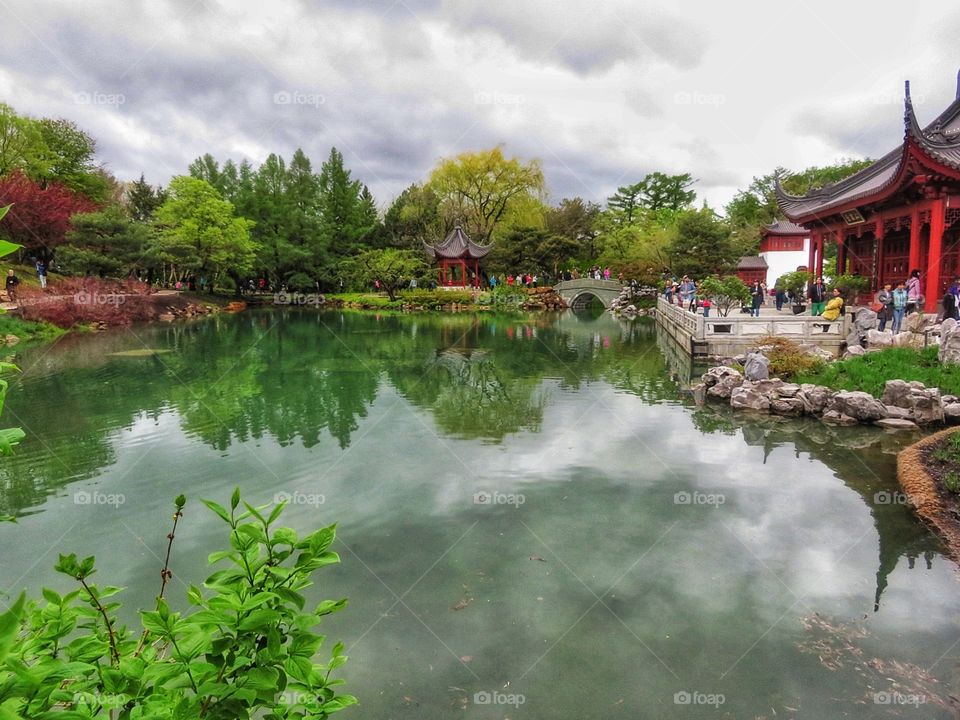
x=341 y=215
x=142 y=200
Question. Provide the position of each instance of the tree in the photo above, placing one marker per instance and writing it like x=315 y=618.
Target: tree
x=531 y=249
x=106 y=242
x=702 y=245
x=342 y=215
x=201 y=233
x=479 y=189
x=40 y=217
x=390 y=267
x=21 y=144
x=576 y=220
x=624 y=204
x=70 y=155
x=413 y=218
x=725 y=292
x=142 y=200
x=660 y=191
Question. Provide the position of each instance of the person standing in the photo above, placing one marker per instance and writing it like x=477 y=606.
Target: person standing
x=899 y=306
x=913 y=292
x=950 y=307
x=885 y=298
x=781 y=298
x=42 y=273
x=12 y=283
x=817 y=293
x=756 y=298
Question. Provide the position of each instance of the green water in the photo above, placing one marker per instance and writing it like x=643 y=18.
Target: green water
x=587 y=588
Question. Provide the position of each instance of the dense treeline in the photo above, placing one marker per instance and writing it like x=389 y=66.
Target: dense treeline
x=224 y=223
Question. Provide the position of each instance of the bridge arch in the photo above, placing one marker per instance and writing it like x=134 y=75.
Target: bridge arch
x=578 y=293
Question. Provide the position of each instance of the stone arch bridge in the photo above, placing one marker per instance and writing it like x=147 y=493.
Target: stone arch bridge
x=579 y=293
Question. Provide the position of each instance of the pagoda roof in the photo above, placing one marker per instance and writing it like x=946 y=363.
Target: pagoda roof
x=752 y=262
x=457 y=245
x=936 y=146
x=784 y=227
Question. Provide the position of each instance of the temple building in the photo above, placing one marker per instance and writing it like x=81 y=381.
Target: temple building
x=901 y=213
x=785 y=247
x=459 y=259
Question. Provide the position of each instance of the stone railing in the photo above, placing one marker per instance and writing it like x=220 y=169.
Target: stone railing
x=802 y=328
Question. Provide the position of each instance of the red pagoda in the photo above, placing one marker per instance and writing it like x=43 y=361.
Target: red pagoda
x=901 y=213
x=459 y=258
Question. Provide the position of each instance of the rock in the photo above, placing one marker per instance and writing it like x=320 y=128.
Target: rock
x=896 y=393
x=949 y=351
x=770 y=387
x=908 y=339
x=898 y=412
x=896 y=424
x=923 y=403
x=864 y=320
x=915 y=322
x=948 y=400
x=818 y=352
x=166 y=317
x=717 y=373
x=853 y=338
x=11 y=339
x=814 y=398
x=853 y=351
x=699 y=392
x=877 y=339
x=739 y=359
x=747 y=397
x=630 y=310
x=789 y=406
x=859 y=405
x=788 y=390
x=833 y=417
x=756 y=367
x=951 y=413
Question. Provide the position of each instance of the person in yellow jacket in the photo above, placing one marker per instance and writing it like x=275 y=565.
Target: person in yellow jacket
x=834 y=308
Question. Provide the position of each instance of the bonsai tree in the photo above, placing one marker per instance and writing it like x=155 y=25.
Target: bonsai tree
x=794 y=283
x=849 y=285
x=725 y=292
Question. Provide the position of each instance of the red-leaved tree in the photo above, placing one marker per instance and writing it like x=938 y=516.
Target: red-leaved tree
x=40 y=217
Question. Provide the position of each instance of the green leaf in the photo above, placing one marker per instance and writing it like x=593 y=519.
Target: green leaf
x=235 y=498
x=330 y=606
x=9 y=623
x=258 y=620
x=218 y=509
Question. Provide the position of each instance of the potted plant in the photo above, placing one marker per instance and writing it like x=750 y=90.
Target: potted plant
x=795 y=284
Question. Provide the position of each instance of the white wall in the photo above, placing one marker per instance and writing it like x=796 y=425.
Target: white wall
x=780 y=262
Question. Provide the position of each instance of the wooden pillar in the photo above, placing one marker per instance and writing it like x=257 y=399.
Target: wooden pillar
x=878 y=272
x=937 y=220
x=820 y=242
x=841 y=253
x=914 y=263
x=814 y=239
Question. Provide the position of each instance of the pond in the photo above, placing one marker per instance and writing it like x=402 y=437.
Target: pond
x=534 y=519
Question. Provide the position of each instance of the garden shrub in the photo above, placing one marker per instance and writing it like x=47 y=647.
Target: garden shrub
x=787 y=359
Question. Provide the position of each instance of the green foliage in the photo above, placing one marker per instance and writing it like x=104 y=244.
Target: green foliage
x=105 y=243
x=657 y=191
x=787 y=359
x=27 y=330
x=143 y=200
x=481 y=190
x=413 y=218
x=200 y=231
x=8 y=436
x=244 y=649
x=951 y=481
x=870 y=372
x=849 y=285
x=725 y=292
x=531 y=249
x=702 y=245
x=390 y=267
x=794 y=282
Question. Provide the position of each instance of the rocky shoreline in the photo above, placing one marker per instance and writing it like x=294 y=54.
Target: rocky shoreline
x=903 y=406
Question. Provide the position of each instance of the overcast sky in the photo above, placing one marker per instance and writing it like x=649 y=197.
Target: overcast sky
x=601 y=93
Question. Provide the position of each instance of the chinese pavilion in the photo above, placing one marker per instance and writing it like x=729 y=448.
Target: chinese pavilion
x=901 y=213
x=783 y=245
x=459 y=258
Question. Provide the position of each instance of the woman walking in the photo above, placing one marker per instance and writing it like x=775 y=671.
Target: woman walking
x=885 y=299
x=756 y=298
x=913 y=292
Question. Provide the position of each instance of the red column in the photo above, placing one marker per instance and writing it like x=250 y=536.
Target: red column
x=820 y=242
x=937 y=218
x=914 y=263
x=878 y=272
x=841 y=253
x=814 y=239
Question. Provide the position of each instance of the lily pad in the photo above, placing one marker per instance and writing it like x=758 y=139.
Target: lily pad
x=144 y=352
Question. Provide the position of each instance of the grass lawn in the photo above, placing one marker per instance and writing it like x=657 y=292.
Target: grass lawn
x=869 y=372
x=27 y=330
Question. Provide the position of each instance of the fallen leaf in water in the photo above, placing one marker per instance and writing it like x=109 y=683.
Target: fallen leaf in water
x=461 y=604
x=466 y=658
x=537 y=557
